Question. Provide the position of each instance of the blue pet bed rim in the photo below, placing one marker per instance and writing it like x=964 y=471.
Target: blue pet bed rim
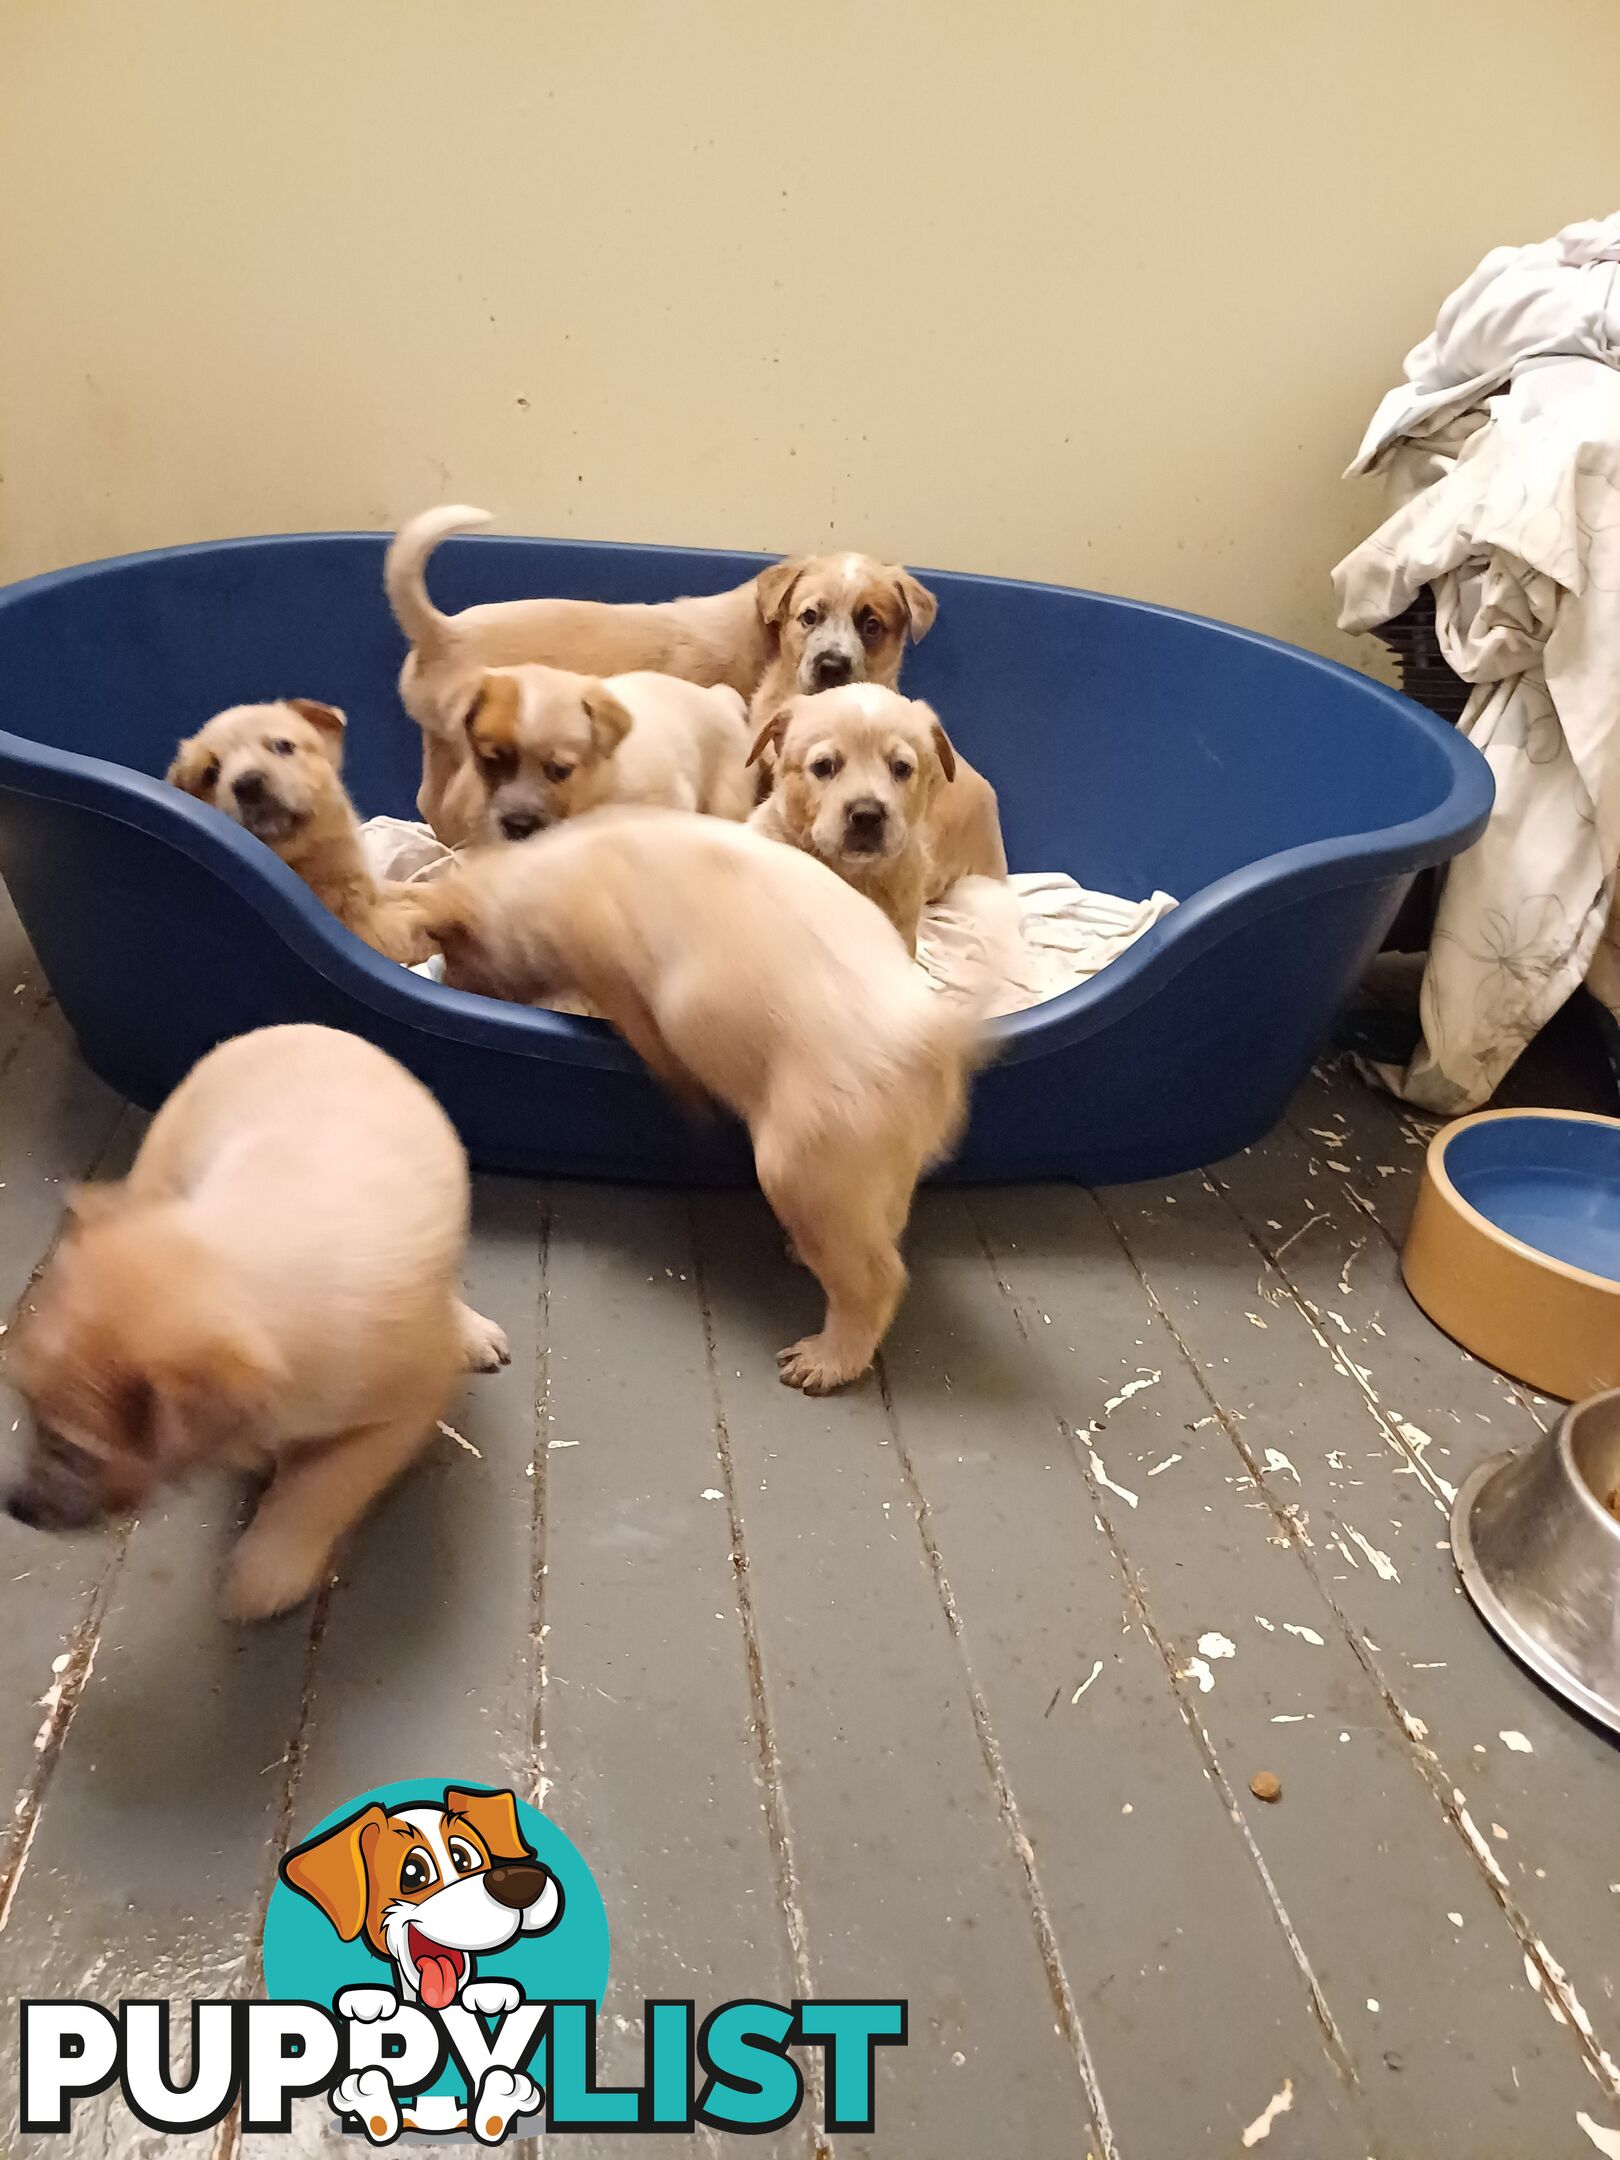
x=1200 y=920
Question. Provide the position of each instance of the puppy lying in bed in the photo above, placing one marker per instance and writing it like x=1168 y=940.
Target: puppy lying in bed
x=743 y=971
x=273 y=1287
x=868 y=781
x=276 y=771
x=803 y=624
x=545 y=744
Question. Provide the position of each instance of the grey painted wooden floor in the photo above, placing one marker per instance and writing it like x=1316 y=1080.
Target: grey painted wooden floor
x=951 y=1688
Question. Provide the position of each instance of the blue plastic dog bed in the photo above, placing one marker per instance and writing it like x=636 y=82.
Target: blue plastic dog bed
x=1285 y=801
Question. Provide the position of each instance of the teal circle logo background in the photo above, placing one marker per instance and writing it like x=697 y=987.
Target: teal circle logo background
x=305 y=1959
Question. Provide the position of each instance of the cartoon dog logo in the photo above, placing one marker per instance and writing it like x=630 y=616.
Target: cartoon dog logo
x=430 y=1889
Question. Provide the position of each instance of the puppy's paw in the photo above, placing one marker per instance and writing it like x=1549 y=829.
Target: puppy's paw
x=366 y=2005
x=269 y=1573
x=812 y=1366
x=491 y=1998
x=502 y=2095
x=368 y=2097
x=484 y=1347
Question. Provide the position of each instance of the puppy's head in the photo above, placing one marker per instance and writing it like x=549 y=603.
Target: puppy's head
x=542 y=743
x=132 y=1367
x=429 y=1886
x=843 y=618
x=492 y=943
x=855 y=771
x=273 y=768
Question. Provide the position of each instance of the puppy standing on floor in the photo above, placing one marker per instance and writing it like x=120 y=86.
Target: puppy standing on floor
x=867 y=781
x=800 y=625
x=273 y=1286
x=745 y=971
x=547 y=744
x=276 y=770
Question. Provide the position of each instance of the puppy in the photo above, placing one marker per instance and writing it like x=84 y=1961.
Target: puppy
x=429 y=1889
x=804 y=623
x=273 y=1287
x=868 y=781
x=746 y=972
x=838 y=619
x=547 y=744
x=276 y=771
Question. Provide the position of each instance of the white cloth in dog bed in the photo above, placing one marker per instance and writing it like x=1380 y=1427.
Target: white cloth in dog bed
x=1042 y=932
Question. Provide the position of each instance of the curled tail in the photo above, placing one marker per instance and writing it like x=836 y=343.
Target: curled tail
x=406 y=561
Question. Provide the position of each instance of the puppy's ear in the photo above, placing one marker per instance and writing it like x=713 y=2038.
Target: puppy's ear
x=328 y=718
x=494 y=1816
x=942 y=742
x=191 y=761
x=331 y=1870
x=493 y=716
x=773 y=588
x=610 y=719
x=770 y=735
x=919 y=603
x=210 y=1396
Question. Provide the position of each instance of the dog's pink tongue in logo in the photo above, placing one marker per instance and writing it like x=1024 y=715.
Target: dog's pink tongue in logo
x=438 y=1970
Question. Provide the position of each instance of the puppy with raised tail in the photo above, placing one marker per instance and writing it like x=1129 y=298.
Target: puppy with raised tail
x=800 y=625
x=867 y=781
x=276 y=770
x=746 y=972
x=546 y=744
x=273 y=1287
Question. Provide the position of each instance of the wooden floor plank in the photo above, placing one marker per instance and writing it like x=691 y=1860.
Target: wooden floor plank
x=1107 y=1773
x=1376 y=1548
x=650 y=1760
x=907 y=1881
x=151 y=1856
x=1214 y=1564
x=1449 y=1678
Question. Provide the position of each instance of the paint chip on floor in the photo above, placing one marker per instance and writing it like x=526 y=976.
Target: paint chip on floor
x=1278 y=2104
x=1606 y=2141
x=1214 y=1645
x=1305 y=1634
x=1516 y=1743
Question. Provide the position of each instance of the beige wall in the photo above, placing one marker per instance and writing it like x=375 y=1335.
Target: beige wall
x=1100 y=294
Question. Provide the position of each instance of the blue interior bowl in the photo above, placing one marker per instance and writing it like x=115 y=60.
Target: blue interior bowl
x=1551 y=1182
x=1286 y=803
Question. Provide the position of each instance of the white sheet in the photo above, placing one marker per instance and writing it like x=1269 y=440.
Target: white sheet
x=1511 y=512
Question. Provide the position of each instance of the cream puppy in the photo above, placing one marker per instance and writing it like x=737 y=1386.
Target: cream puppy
x=546 y=745
x=868 y=781
x=276 y=770
x=273 y=1287
x=746 y=972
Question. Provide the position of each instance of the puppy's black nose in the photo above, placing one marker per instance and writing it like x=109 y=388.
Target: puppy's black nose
x=248 y=787
x=831 y=669
x=865 y=820
x=515 y=1884
x=519 y=824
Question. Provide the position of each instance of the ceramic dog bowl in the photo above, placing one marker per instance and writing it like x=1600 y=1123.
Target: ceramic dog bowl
x=1539 y=1552
x=1514 y=1247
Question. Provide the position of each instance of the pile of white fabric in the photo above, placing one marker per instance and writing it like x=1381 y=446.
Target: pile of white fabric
x=1502 y=456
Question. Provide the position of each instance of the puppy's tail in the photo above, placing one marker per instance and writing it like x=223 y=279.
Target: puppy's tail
x=406 y=561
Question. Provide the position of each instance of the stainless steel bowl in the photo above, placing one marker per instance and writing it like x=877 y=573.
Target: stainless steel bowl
x=1539 y=1554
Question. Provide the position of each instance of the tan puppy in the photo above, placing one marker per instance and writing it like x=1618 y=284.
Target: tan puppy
x=547 y=744
x=867 y=780
x=276 y=771
x=811 y=621
x=746 y=972
x=273 y=1286
x=838 y=619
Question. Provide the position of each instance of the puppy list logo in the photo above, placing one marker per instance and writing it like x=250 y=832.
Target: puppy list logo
x=435 y=1958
